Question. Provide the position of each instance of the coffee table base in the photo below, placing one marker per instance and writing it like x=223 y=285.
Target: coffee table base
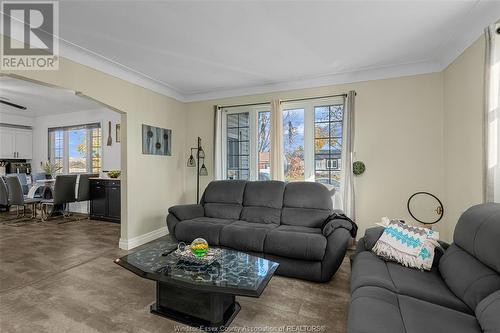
x=207 y=311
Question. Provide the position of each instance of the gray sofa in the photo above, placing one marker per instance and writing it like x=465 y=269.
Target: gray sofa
x=287 y=223
x=460 y=294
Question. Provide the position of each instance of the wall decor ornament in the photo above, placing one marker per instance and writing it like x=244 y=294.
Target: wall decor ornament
x=156 y=140
x=358 y=168
x=118 y=134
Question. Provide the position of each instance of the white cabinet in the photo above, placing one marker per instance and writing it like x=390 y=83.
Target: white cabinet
x=16 y=143
x=7 y=142
x=24 y=144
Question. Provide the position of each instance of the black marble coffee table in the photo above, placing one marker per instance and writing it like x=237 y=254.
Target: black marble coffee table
x=199 y=295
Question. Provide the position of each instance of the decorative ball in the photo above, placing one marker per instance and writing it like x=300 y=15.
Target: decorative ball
x=199 y=247
x=358 y=168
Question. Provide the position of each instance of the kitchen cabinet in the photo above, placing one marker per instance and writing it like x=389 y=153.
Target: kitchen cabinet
x=16 y=143
x=105 y=202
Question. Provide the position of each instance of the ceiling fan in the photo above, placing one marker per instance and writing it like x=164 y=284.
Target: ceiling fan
x=5 y=101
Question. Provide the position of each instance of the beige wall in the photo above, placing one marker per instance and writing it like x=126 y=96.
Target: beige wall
x=398 y=135
x=152 y=183
x=418 y=133
x=463 y=83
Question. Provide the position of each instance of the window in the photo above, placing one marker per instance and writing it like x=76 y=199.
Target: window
x=293 y=142
x=328 y=143
x=246 y=140
x=76 y=149
x=312 y=141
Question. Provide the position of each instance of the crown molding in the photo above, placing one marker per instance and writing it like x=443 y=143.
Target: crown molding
x=368 y=74
x=96 y=61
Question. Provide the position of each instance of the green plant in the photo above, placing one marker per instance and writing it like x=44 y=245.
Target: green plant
x=358 y=168
x=114 y=173
x=50 y=168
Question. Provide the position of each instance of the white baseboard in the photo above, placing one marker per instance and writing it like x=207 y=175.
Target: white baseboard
x=128 y=244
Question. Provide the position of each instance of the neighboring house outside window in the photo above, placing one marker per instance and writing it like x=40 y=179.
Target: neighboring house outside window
x=76 y=149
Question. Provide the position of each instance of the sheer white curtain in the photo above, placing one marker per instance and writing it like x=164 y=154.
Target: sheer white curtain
x=218 y=143
x=492 y=114
x=277 y=159
x=347 y=177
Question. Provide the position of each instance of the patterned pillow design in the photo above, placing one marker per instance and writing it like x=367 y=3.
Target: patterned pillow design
x=408 y=245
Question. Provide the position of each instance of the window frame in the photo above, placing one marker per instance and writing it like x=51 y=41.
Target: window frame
x=309 y=131
x=89 y=127
x=253 y=123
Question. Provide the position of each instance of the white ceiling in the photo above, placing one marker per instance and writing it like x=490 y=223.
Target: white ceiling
x=195 y=50
x=40 y=100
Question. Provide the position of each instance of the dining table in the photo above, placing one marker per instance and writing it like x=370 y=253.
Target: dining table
x=47 y=186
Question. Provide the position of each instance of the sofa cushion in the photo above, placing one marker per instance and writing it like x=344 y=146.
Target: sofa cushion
x=245 y=236
x=262 y=202
x=296 y=242
x=375 y=309
x=467 y=277
x=306 y=204
x=370 y=270
x=204 y=227
x=224 y=199
x=488 y=313
x=478 y=231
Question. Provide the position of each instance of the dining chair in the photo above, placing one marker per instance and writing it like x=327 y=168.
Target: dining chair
x=64 y=193
x=83 y=190
x=38 y=176
x=23 y=179
x=4 y=195
x=16 y=197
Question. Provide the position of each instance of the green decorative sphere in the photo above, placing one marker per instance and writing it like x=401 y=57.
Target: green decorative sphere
x=358 y=168
x=199 y=247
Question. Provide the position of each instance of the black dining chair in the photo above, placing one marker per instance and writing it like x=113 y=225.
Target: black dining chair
x=4 y=195
x=64 y=193
x=23 y=179
x=17 y=198
x=83 y=190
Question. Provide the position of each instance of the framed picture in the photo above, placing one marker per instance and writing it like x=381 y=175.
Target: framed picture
x=118 y=133
x=156 y=140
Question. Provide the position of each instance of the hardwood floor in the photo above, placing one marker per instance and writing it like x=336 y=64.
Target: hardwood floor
x=61 y=278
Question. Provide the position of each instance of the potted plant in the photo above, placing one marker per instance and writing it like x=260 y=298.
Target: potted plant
x=50 y=169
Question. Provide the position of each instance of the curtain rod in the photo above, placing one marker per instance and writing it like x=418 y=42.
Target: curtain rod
x=309 y=98
x=283 y=101
x=241 y=105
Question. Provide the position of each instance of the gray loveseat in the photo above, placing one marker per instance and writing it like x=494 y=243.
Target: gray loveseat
x=461 y=294
x=287 y=223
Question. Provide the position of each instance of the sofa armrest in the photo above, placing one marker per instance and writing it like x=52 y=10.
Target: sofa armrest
x=336 y=221
x=333 y=225
x=336 y=247
x=187 y=212
x=371 y=237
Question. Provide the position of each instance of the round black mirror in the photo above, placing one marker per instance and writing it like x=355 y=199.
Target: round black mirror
x=425 y=207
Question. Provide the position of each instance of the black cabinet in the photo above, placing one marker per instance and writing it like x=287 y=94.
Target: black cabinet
x=105 y=200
